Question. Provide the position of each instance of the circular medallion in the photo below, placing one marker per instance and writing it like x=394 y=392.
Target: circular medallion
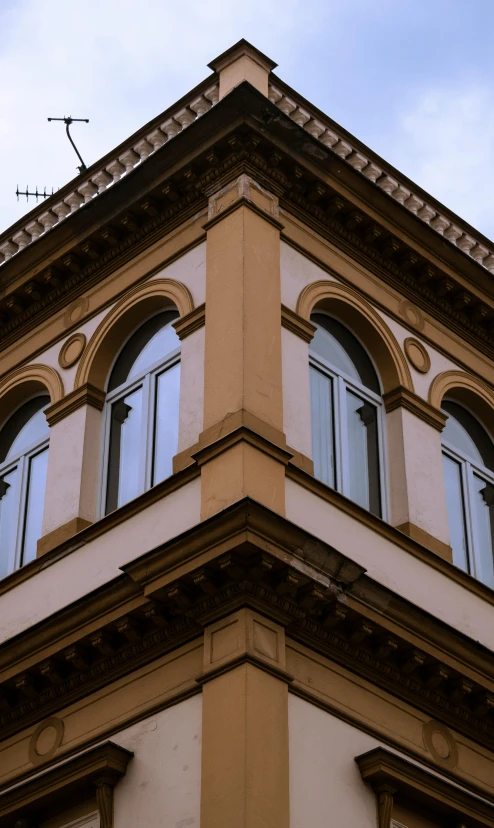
x=45 y=740
x=440 y=742
x=71 y=350
x=412 y=314
x=75 y=311
x=417 y=355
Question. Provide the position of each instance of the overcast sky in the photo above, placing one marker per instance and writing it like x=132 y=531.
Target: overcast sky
x=412 y=79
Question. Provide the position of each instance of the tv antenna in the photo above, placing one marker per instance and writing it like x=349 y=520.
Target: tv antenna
x=36 y=194
x=68 y=121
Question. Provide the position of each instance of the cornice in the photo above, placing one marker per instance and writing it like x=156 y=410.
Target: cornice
x=82 y=776
x=229 y=143
x=403 y=398
x=191 y=322
x=85 y=395
x=296 y=324
x=248 y=556
x=390 y=775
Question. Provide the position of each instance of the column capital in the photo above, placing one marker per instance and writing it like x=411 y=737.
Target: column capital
x=243 y=191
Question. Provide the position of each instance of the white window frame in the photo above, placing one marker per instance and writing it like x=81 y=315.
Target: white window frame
x=148 y=381
x=468 y=468
x=21 y=462
x=341 y=383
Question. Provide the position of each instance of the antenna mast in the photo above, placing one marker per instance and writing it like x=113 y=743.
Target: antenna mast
x=68 y=121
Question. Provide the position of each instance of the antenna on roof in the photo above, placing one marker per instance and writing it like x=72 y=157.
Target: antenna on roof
x=36 y=194
x=68 y=121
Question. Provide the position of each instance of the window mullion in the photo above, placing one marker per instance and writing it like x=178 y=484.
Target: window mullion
x=147 y=429
x=382 y=455
x=467 y=483
x=23 y=470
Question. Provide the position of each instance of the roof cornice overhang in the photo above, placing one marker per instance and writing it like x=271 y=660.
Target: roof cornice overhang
x=246 y=132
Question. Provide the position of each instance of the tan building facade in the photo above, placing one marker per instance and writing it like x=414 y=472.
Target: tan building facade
x=246 y=483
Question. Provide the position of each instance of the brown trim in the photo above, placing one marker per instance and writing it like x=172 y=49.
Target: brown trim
x=409 y=344
x=81 y=777
x=239 y=435
x=61 y=534
x=427 y=540
x=190 y=322
x=403 y=780
x=402 y=397
x=243 y=201
x=94 y=530
x=87 y=394
x=391 y=533
x=67 y=362
x=295 y=323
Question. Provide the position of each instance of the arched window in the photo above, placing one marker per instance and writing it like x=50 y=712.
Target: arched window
x=142 y=411
x=346 y=409
x=468 y=458
x=23 y=463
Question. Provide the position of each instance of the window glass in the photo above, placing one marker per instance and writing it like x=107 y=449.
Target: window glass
x=8 y=519
x=456 y=512
x=25 y=428
x=483 y=504
x=467 y=435
x=166 y=422
x=151 y=343
x=323 y=441
x=363 y=453
x=125 y=450
x=337 y=346
x=35 y=500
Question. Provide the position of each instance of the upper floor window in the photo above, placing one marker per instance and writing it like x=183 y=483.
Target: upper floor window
x=141 y=428
x=23 y=462
x=347 y=415
x=468 y=458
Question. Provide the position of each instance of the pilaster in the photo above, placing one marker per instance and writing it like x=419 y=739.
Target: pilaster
x=245 y=778
x=242 y=372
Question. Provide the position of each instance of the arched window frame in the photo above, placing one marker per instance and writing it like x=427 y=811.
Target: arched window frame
x=147 y=379
x=341 y=383
x=22 y=463
x=469 y=469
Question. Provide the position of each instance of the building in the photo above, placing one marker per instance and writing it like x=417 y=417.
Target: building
x=247 y=483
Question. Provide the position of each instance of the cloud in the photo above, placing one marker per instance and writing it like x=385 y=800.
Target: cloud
x=444 y=141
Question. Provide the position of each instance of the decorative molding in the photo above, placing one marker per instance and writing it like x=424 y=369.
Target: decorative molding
x=403 y=398
x=297 y=324
x=36 y=754
x=138 y=303
x=26 y=381
x=236 y=205
x=84 y=395
x=478 y=394
x=417 y=355
x=82 y=776
x=430 y=794
x=441 y=743
x=412 y=314
x=71 y=350
x=370 y=166
x=191 y=322
x=348 y=305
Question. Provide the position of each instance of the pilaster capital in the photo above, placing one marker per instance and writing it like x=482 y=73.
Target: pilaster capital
x=243 y=191
x=87 y=394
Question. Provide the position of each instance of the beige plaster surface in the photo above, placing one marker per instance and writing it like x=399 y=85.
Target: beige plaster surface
x=416 y=478
x=296 y=392
x=98 y=562
x=191 y=389
x=391 y=566
x=244 y=68
x=190 y=269
x=297 y=271
x=73 y=463
x=162 y=785
x=325 y=784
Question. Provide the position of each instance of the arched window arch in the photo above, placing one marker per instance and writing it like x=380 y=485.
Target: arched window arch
x=347 y=415
x=468 y=458
x=23 y=462
x=141 y=421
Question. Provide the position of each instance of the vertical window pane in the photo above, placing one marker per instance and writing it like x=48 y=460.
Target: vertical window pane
x=456 y=512
x=8 y=520
x=125 y=450
x=484 y=526
x=363 y=453
x=35 y=500
x=166 y=423
x=321 y=391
